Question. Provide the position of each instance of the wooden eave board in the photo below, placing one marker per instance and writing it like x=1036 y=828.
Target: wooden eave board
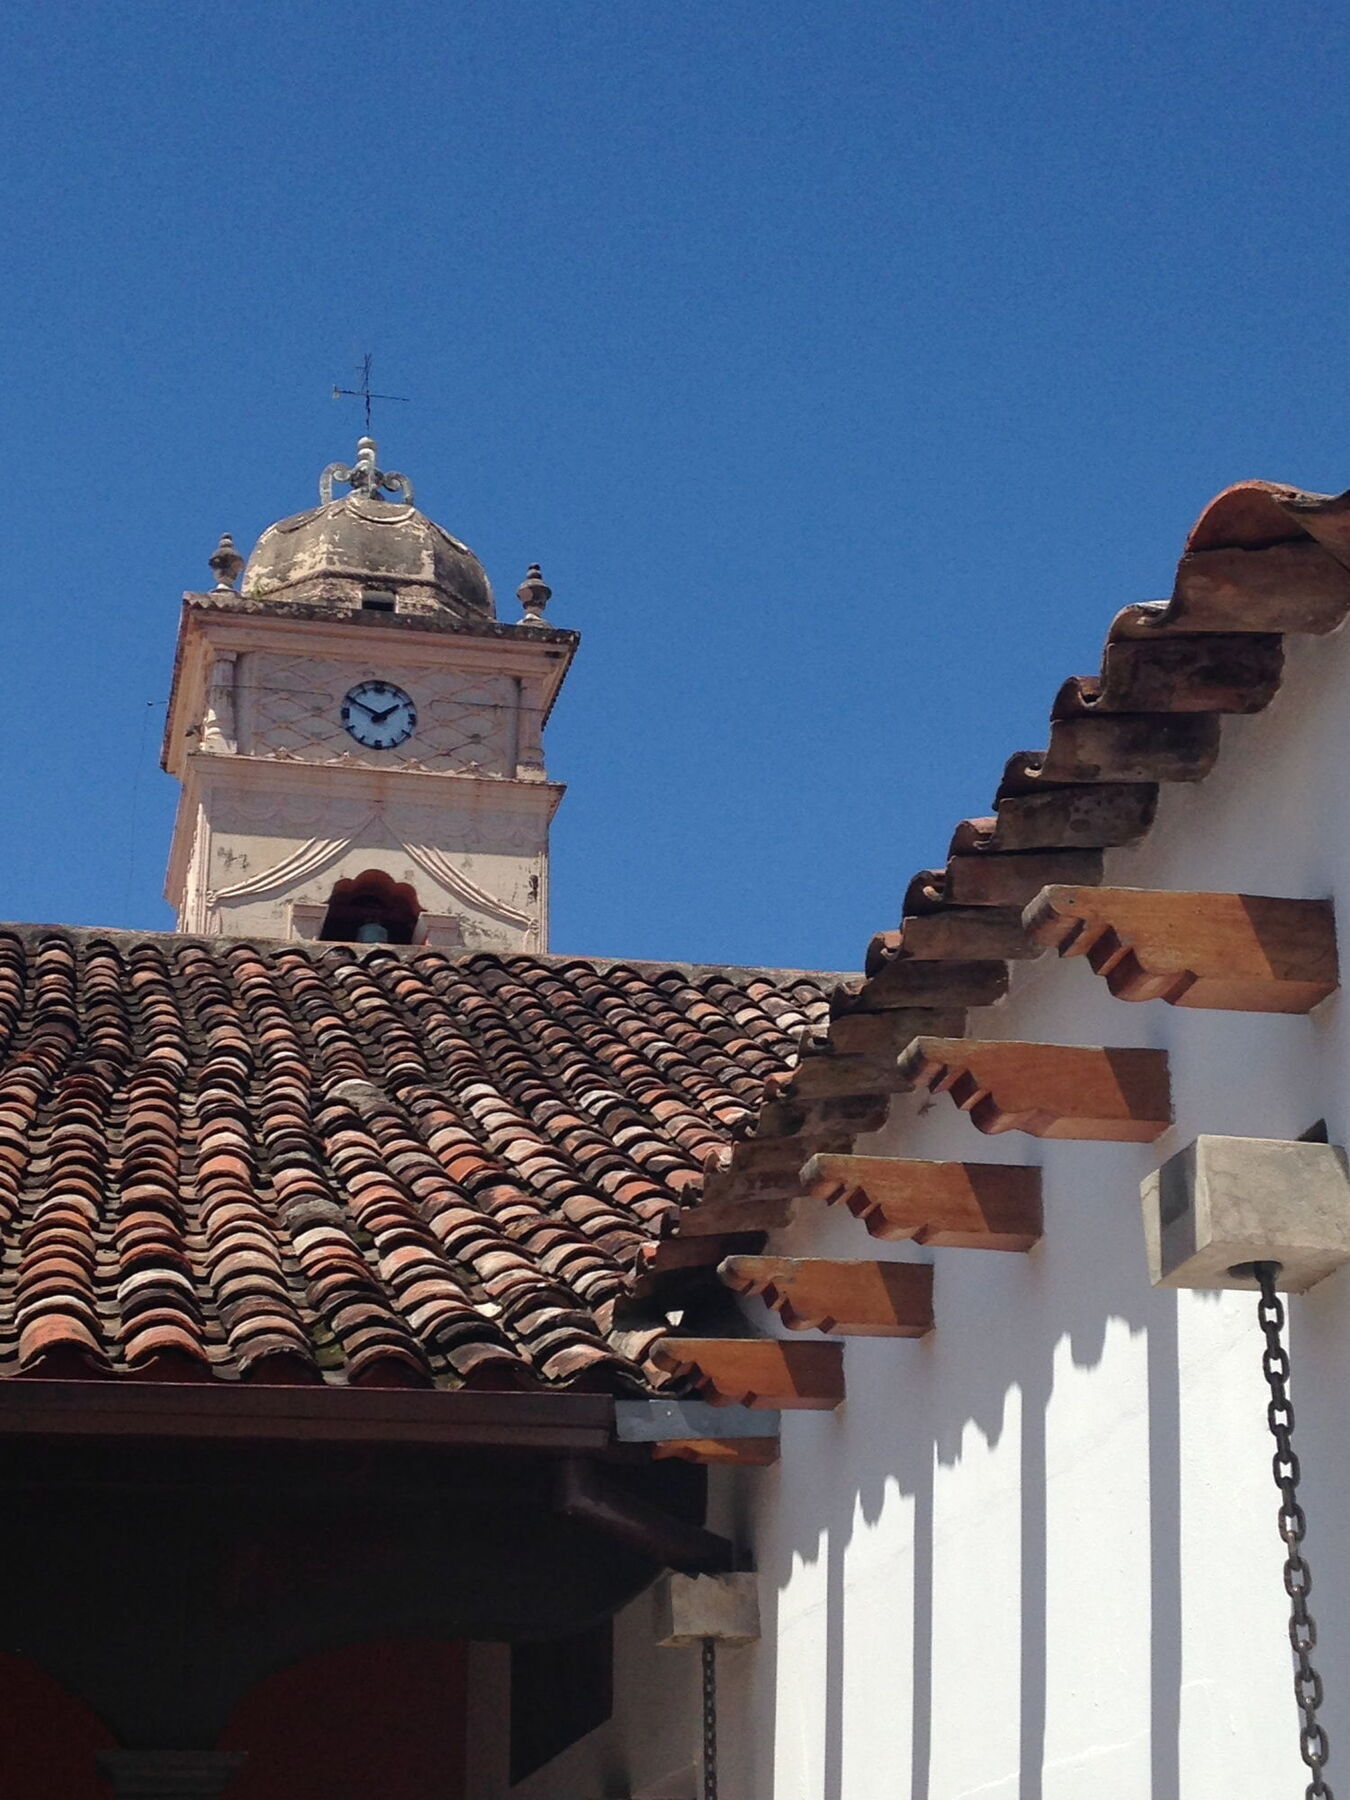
x=311 y=1415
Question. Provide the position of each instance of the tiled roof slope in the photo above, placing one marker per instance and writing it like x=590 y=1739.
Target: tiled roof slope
x=1263 y=561
x=289 y=1163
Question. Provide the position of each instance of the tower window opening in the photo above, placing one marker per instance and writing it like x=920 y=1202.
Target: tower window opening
x=371 y=908
x=377 y=600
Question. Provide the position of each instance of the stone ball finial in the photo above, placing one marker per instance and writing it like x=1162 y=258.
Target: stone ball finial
x=534 y=594
x=226 y=562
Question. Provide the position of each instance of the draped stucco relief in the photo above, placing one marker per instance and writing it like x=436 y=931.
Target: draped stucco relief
x=245 y=878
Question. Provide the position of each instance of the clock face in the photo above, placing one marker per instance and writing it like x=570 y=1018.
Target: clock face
x=379 y=715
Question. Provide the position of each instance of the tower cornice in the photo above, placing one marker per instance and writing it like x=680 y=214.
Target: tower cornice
x=417 y=787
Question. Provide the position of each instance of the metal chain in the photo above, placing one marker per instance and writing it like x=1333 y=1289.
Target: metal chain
x=709 y=1649
x=1312 y=1737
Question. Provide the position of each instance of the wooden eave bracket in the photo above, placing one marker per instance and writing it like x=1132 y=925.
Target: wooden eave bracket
x=957 y=1205
x=851 y=1299
x=1048 y=1090
x=758 y=1372
x=1228 y=952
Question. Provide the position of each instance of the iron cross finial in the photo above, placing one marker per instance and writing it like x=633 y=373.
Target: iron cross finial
x=364 y=391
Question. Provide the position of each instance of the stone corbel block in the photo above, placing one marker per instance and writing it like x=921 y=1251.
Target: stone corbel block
x=1226 y=1201
x=693 y=1607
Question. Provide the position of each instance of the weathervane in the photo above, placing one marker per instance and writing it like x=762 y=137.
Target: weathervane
x=363 y=392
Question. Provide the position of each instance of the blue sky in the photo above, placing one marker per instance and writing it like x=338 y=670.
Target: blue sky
x=845 y=366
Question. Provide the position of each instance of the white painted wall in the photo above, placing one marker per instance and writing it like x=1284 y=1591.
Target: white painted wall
x=1035 y=1556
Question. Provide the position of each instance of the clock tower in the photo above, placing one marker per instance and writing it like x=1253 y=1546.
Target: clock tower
x=358 y=736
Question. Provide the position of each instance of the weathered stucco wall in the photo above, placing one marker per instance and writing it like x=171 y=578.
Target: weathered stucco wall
x=1035 y=1555
x=265 y=838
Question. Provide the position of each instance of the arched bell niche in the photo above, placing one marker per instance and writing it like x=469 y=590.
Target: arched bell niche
x=371 y=908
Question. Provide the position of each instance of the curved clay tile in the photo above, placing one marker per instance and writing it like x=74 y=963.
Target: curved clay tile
x=289 y=1163
x=1262 y=561
x=1253 y=515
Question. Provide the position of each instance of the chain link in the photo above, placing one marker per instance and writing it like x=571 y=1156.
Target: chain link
x=709 y=1649
x=1312 y=1737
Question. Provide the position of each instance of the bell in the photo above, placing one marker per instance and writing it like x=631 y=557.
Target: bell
x=373 y=933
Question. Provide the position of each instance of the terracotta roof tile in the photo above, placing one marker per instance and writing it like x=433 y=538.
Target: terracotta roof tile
x=227 y=1160
x=1262 y=561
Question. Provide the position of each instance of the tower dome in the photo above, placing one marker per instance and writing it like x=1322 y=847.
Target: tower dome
x=343 y=550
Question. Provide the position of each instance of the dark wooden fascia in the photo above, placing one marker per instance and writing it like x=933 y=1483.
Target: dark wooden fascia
x=308 y=1415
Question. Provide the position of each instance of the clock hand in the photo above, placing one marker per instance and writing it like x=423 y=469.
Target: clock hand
x=366 y=709
x=378 y=718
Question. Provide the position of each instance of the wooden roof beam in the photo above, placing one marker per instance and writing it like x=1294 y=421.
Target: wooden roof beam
x=851 y=1299
x=957 y=1205
x=1229 y=952
x=752 y=1453
x=1048 y=1090
x=758 y=1372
